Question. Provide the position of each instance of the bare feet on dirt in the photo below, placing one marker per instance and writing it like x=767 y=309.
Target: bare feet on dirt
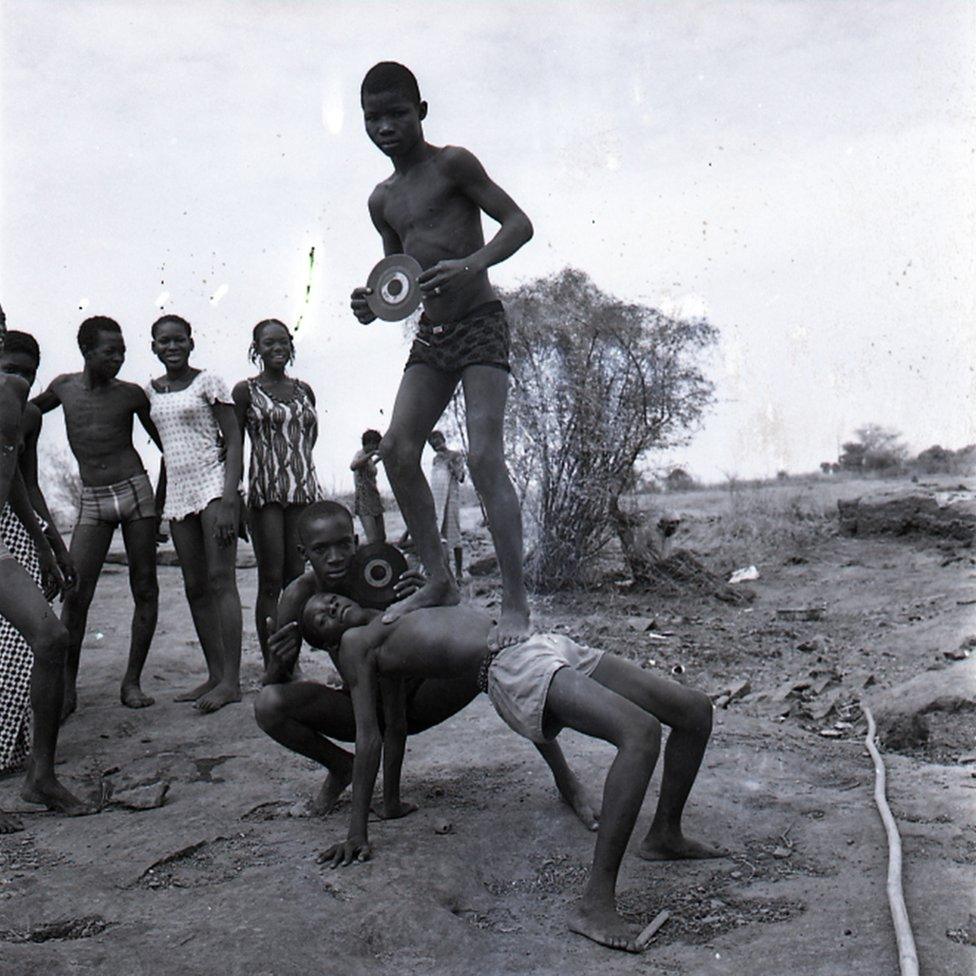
x=676 y=847
x=433 y=593
x=9 y=824
x=512 y=627
x=217 y=697
x=194 y=693
x=328 y=796
x=50 y=793
x=587 y=810
x=133 y=696
x=605 y=926
x=378 y=808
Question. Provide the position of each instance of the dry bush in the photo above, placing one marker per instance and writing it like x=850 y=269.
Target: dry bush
x=61 y=484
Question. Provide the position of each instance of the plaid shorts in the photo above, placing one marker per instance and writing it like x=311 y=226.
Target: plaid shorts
x=479 y=339
x=118 y=504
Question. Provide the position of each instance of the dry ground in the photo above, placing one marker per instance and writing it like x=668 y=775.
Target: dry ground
x=222 y=878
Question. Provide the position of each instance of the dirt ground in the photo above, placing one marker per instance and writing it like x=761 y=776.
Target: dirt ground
x=222 y=878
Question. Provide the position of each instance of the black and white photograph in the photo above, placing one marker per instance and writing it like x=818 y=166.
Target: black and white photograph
x=487 y=487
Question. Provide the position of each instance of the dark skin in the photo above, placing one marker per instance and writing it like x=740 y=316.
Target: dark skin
x=373 y=525
x=207 y=541
x=430 y=208
x=23 y=604
x=619 y=703
x=99 y=410
x=308 y=717
x=273 y=527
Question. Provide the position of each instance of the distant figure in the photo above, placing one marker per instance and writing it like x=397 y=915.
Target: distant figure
x=199 y=489
x=431 y=207
x=369 y=505
x=99 y=410
x=446 y=476
x=278 y=413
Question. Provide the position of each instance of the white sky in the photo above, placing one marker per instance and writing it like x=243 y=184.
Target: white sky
x=802 y=171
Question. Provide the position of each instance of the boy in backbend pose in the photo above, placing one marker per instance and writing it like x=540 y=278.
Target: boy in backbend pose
x=98 y=413
x=430 y=208
x=23 y=604
x=305 y=716
x=538 y=687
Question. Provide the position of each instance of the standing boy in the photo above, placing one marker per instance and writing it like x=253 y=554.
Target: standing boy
x=446 y=476
x=538 y=687
x=430 y=208
x=23 y=604
x=98 y=414
x=369 y=504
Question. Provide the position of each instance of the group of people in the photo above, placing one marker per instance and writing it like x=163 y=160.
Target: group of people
x=405 y=665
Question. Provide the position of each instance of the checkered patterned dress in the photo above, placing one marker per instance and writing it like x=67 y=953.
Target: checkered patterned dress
x=16 y=658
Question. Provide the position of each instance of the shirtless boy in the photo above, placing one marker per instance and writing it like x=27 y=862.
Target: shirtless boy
x=305 y=716
x=430 y=208
x=23 y=604
x=538 y=687
x=98 y=414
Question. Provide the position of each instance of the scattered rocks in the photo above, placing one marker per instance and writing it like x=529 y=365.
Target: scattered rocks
x=946 y=514
x=146 y=797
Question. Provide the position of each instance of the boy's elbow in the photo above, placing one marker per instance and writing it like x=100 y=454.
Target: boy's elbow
x=527 y=229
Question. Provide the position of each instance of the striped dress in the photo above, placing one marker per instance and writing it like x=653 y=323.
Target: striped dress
x=282 y=433
x=16 y=658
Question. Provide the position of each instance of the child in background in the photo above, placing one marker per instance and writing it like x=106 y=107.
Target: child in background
x=369 y=505
x=446 y=476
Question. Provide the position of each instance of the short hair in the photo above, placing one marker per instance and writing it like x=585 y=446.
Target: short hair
x=371 y=437
x=390 y=76
x=22 y=342
x=166 y=319
x=321 y=510
x=252 y=352
x=91 y=329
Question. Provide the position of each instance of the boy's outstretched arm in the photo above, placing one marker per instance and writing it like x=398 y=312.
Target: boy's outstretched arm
x=142 y=412
x=357 y=664
x=49 y=399
x=515 y=230
x=393 y=693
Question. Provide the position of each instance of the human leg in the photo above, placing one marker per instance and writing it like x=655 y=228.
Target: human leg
x=485 y=396
x=23 y=604
x=304 y=716
x=188 y=539
x=222 y=583
x=268 y=537
x=584 y=704
x=689 y=715
x=423 y=395
x=458 y=552
x=140 y=548
x=89 y=546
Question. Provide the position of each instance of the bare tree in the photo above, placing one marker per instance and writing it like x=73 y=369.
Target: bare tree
x=598 y=382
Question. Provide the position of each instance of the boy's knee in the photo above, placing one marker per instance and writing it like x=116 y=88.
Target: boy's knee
x=700 y=714
x=645 y=734
x=50 y=644
x=221 y=581
x=268 y=708
x=398 y=452
x=195 y=589
x=145 y=591
x=486 y=465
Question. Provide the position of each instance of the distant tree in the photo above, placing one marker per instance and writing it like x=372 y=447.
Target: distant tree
x=875 y=449
x=679 y=480
x=598 y=383
x=826 y=467
x=61 y=483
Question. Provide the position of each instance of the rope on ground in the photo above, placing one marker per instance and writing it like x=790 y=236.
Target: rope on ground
x=907 y=956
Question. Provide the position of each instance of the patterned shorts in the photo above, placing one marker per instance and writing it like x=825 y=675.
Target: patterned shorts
x=479 y=339
x=118 y=504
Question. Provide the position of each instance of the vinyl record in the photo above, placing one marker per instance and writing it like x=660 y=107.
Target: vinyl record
x=395 y=292
x=374 y=572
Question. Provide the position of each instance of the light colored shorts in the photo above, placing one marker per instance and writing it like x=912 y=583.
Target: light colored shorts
x=519 y=679
x=118 y=504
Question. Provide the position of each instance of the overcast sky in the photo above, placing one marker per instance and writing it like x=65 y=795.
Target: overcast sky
x=801 y=172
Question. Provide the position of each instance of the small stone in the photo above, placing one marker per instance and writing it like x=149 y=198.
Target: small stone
x=141 y=797
x=781 y=852
x=442 y=826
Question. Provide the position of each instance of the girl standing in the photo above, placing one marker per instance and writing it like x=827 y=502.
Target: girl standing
x=193 y=412
x=278 y=413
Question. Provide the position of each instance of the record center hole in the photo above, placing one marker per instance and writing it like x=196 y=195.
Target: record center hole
x=395 y=287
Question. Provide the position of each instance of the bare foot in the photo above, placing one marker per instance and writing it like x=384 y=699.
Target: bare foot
x=194 y=693
x=328 y=796
x=605 y=926
x=676 y=847
x=50 y=793
x=378 y=808
x=512 y=627
x=134 y=697
x=217 y=697
x=9 y=824
x=587 y=810
x=69 y=704
x=433 y=593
